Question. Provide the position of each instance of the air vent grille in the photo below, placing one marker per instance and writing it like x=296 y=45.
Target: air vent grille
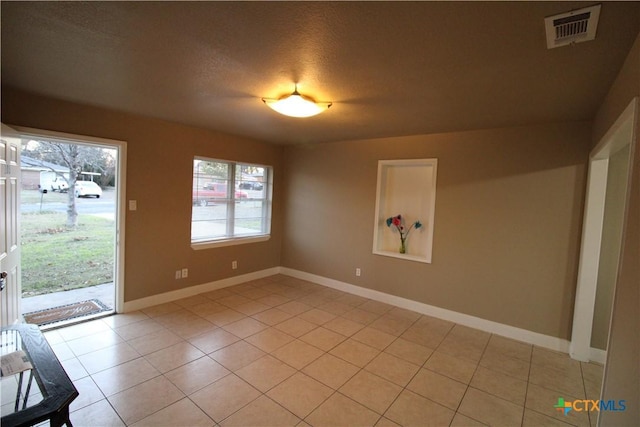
x=572 y=27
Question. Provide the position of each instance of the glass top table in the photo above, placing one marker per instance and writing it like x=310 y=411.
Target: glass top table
x=36 y=387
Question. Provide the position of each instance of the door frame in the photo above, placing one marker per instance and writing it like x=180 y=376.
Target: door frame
x=621 y=134
x=121 y=175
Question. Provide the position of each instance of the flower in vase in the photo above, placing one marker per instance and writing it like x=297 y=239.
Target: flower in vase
x=396 y=221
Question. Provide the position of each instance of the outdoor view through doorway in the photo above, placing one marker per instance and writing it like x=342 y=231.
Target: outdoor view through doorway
x=68 y=230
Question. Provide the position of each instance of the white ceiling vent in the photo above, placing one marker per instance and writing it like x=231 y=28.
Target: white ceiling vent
x=572 y=27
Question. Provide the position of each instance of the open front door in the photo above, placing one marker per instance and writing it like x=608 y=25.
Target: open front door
x=10 y=296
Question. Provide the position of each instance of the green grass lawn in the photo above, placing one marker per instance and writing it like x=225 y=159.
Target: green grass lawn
x=56 y=258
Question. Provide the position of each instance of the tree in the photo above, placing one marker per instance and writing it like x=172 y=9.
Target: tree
x=77 y=158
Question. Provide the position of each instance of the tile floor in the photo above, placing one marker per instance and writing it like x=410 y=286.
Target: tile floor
x=281 y=351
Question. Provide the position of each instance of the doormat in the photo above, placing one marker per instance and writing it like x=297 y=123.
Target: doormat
x=65 y=312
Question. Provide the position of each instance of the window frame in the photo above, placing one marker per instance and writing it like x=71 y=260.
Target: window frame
x=230 y=238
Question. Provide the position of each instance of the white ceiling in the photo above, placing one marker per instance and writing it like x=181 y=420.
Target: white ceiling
x=390 y=68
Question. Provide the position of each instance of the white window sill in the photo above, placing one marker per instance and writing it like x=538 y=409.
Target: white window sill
x=196 y=246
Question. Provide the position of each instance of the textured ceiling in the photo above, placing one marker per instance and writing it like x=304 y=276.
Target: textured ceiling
x=390 y=68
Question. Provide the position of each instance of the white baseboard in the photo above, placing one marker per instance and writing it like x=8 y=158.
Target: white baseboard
x=535 y=338
x=166 y=297
x=597 y=355
x=530 y=337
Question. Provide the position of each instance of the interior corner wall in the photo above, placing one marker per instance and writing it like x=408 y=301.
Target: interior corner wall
x=508 y=218
x=159 y=176
x=622 y=368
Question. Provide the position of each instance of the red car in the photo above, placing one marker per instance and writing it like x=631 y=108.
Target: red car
x=214 y=191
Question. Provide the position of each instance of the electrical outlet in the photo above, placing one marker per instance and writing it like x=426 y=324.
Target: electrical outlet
x=234 y=265
x=178 y=274
x=358 y=272
x=185 y=273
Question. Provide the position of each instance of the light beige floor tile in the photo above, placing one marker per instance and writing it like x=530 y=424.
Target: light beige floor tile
x=460 y=420
x=374 y=338
x=452 y=367
x=217 y=294
x=237 y=355
x=74 y=369
x=428 y=331
x=83 y=330
x=391 y=325
x=385 y=422
x=63 y=351
x=294 y=307
x=160 y=309
x=331 y=371
x=138 y=329
x=360 y=316
x=351 y=300
x=504 y=386
x=251 y=308
x=489 y=409
x=317 y=316
x=561 y=381
x=462 y=348
x=313 y=300
x=270 y=339
x=178 y=317
x=224 y=397
x=145 y=399
x=196 y=375
x=262 y=412
x=265 y=373
x=182 y=413
x=214 y=340
x=207 y=308
x=189 y=301
x=335 y=307
x=543 y=400
x=192 y=328
x=224 y=317
x=173 y=357
x=54 y=337
x=409 y=351
x=100 y=410
x=154 y=341
x=89 y=394
x=440 y=389
x=592 y=375
x=371 y=391
x=410 y=409
x=273 y=300
x=233 y=301
x=403 y=313
x=536 y=419
x=95 y=342
x=392 y=368
x=272 y=317
x=495 y=361
x=343 y=326
x=355 y=352
x=108 y=357
x=339 y=410
x=323 y=338
x=298 y=354
x=375 y=307
x=124 y=376
x=300 y=394
x=255 y=293
x=554 y=359
x=245 y=327
x=510 y=348
x=296 y=327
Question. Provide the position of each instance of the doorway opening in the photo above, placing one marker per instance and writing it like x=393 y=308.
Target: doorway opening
x=70 y=227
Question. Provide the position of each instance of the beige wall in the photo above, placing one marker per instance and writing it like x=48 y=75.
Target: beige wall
x=507 y=220
x=623 y=356
x=159 y=176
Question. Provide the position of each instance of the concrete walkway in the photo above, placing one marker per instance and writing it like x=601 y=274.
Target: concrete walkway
x=104 y=293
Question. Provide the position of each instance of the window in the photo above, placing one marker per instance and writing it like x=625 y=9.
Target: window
x=231 y=203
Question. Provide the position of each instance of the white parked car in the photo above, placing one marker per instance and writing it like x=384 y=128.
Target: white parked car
x=87 y=189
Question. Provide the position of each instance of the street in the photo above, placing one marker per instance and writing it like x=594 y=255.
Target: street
x=104 y=206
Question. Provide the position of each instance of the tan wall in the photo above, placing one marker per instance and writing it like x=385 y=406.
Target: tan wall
x=623 y=356
x=159 y=176
x=507 y=220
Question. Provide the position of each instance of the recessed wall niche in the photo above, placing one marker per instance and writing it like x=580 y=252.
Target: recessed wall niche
x=406 y=188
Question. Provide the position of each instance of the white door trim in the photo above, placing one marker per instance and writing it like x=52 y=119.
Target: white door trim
x=121 y=175
x=618 y=136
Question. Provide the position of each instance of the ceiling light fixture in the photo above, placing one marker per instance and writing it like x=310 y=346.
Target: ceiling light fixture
x=297 y=105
